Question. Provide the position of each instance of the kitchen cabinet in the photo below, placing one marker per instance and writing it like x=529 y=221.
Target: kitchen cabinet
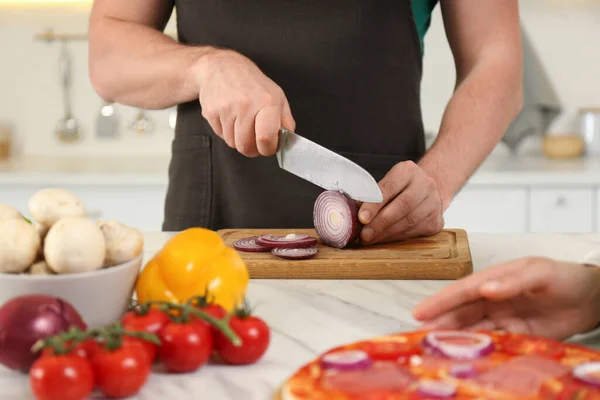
x=489 y=209
x=478 y=207
x=562 y=210
x=140 y=206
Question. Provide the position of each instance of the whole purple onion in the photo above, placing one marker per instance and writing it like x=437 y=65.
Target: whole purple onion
x=26 y=319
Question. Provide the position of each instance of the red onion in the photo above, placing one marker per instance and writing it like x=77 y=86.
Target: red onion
x=346 y=360
x=462 y=371
x=588 y=372
x=249 y=245
x=335 y=217
x=296 y=254
x=26 y=319
x=293 y=240
x=436 y=389
x=458 y=345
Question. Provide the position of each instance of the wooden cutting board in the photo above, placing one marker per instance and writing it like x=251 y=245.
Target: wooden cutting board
x=443 y=256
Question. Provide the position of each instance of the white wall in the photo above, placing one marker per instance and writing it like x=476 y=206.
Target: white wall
x=566 y=34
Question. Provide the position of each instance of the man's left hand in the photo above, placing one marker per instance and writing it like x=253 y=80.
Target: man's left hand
x=411 y=206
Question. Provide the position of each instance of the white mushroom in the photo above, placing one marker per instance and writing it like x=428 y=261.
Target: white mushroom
x=40 y=268
x=123 y=243
x=74 y=244
x=47 y=206
x=42 y=231
x=7 y=212
x=19 y=245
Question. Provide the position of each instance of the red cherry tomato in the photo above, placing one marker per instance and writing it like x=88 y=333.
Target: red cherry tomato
x=255 y=336
x=61 y=377
x=214 y=310
x=121 y=372
x=153 y=321
x=83 y=349
x=185 y=347
x=149 y=348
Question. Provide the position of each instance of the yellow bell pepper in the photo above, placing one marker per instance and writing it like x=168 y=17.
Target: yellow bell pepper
x=191 y=262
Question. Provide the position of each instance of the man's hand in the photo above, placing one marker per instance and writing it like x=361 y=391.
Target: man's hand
x=531 y=295
x=411 y=206
x=242 y=105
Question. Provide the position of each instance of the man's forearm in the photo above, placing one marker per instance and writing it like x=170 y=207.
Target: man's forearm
x=478 y=114
x=139 y=66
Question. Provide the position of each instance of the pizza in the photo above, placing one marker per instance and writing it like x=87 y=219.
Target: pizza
x=449 y=365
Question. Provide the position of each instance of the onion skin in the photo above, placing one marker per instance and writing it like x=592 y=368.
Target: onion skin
x=348 y=210
x=26 y=319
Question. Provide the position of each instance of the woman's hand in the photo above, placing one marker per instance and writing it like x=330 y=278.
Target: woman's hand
x=535 y=296
x=243 y=106
x=411 y=206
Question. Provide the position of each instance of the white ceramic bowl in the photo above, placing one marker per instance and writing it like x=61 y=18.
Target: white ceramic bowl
x=101 y=297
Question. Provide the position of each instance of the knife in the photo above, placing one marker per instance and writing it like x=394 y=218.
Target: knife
x=325 y=168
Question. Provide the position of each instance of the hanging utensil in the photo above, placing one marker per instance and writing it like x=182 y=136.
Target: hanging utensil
x=107 y=122
x=67 y=128
x=141 y=123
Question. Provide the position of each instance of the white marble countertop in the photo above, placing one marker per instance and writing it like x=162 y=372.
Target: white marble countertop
x=500 y=168
x=308 y=317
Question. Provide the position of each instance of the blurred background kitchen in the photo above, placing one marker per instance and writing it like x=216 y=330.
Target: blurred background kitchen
x=543 y=177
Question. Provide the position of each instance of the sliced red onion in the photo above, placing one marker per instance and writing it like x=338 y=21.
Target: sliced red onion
x=463 y=371
x=588 y=372
x=436 y=389
x=293 y=240
x=302 y=253
x=458 y=344
x=346 y=360
x=249 y=245
x=335 y=217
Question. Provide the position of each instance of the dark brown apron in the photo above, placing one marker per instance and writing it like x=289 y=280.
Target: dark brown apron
x=351 y=70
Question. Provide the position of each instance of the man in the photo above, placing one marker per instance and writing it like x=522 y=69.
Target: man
x=536 y=296
x=346 y=72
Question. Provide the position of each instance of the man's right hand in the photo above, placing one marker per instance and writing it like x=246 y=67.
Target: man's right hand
x=243 y=106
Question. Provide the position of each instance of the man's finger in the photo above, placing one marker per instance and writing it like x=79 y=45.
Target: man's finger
x=287 y=119
x=412 y=221
x=267 y=124
x=394 y=182
x=405 y=203
x=245 y=141
x=227 y=126
x=459 y=318
x=464 y=291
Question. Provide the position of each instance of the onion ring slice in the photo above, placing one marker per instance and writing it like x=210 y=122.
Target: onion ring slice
x=436 y=389
x=588 y=372
x=301 y=253
x=346 y=360
x=291 y=241
x=466 y=345
x=249 y=245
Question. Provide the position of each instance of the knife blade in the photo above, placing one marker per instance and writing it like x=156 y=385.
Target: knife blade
x=325 y=168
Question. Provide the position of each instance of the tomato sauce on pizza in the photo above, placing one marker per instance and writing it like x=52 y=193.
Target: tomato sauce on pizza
x=449 y=365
